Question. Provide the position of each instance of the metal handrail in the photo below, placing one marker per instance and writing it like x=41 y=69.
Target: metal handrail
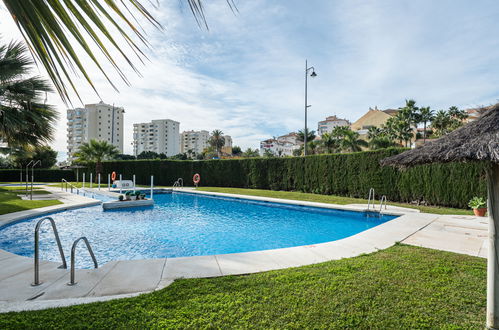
x=73 y=255
x=37 y=248
x=180 y=182
x=383 y=198
x=370 y=200
x=71 y=185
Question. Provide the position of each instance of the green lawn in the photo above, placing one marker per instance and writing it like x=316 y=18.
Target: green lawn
x=328 y=199
x=402 y=287
x=10 y=202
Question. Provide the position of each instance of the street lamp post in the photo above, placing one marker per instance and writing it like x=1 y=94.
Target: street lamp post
x=305 y=133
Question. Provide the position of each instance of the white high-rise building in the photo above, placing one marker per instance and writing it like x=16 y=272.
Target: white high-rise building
x=193 y=143
x=100 y=121
x=160 y=136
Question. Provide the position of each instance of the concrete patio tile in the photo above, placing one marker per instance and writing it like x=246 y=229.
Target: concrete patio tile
x=246 y=263
x=188 y=267
x=5 y=255
x=295 y=257
x=18 y=287
x=130 y=276
x=449 y=242
x=15 y=265
x=86 y=280
x=163 y=283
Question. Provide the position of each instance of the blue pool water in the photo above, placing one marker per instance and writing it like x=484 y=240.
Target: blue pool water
x=182 y=224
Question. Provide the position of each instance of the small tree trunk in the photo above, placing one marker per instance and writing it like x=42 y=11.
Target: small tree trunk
x=424 y=132
x=493 y=262
x=98 y=169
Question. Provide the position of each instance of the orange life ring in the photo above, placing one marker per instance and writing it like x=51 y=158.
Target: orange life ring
x=113 y=176
x=196 y=178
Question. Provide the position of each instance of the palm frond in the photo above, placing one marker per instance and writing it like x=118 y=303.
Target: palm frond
x=50 y=27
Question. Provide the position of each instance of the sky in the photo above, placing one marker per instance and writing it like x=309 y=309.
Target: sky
x=245 y=74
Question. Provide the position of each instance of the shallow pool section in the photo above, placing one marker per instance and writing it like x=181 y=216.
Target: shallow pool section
x=183 y=224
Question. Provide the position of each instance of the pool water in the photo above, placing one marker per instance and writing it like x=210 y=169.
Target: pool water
x=183 y=224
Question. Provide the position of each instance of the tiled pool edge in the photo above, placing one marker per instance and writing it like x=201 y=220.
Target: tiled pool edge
x=118 y=279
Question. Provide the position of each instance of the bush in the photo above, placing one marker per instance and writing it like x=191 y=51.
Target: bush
x=41 y=175
x=338 y=174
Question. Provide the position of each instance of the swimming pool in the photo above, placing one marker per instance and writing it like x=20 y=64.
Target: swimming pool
x=184 y=224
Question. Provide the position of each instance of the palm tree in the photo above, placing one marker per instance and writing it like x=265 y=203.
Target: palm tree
x=217 y=140
x=96 y=151
x=441 y=123
x=24 y=117
x=301 y=135
x=49 y=28
x=351 y=141
x=330 y=143
x=426 y=115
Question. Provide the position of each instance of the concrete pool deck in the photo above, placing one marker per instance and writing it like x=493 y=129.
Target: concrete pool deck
x=126 y=278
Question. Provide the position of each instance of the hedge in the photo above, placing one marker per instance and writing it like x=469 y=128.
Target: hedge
x=41 y=175
x=337 y=174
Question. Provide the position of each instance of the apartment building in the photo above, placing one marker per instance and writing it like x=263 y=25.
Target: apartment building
x=99 y=121
x=327 y=126
x=278 y=148
x=227 y=148
x=160 y=136
x=193 y=143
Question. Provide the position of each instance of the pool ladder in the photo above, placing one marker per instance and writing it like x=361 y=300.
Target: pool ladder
x=61 y=252
x=370 y=201
x=179 y=183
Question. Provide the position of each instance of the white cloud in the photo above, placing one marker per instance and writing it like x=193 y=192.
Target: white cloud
x=245 y=75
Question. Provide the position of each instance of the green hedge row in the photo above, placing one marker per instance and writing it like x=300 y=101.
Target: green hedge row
x=338 y=174
x=41 y=175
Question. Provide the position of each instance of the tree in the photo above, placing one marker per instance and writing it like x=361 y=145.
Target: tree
x=378 y=139
x=148 y=155
x=24 y=117
x=249 y=153
x=181 y=156
x=268 y=154
x=349 y=140
x=217 y=140
x=49 y=28
x=124 y=157
x=426 y=115
x=236 y=151
x=45 y=154
x=96 y=151
x=330 y=143
x=301 y=135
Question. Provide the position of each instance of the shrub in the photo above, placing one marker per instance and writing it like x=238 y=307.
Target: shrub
x=349 y=175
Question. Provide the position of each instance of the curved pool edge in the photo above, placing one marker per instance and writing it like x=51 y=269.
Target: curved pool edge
x=118 y=279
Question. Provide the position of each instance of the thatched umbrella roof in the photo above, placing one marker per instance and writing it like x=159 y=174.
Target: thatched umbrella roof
x=476 y=141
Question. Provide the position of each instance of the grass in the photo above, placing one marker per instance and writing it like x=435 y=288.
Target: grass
x=293 y=195
x=402 y=287
x=10 y=202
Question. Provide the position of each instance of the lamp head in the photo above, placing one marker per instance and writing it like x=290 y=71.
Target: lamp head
x=313 y=74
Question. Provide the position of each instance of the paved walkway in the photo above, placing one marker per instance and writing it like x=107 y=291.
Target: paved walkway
x=118 y=279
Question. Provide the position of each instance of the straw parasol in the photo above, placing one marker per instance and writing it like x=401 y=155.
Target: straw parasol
x=476 y=141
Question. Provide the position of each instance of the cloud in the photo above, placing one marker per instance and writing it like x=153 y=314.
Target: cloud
x=245 y=75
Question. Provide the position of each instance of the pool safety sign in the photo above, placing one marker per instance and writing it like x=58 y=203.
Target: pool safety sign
x=123 y=184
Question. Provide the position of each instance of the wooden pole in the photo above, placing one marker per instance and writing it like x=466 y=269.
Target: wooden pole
x=493 y=261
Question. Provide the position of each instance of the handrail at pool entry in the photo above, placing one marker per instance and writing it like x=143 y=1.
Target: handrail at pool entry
x=370 y=200
x=383 y=199
x=75 y=187
x=37 y=248
x=73 y=256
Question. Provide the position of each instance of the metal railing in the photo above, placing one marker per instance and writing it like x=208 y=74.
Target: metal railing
x=383 y=199
x=37 y=248
x=64 y=181
x=370 y=200
x=73 y=256
x=179 y=183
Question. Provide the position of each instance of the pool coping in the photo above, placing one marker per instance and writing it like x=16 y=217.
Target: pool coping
x=117 y=279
